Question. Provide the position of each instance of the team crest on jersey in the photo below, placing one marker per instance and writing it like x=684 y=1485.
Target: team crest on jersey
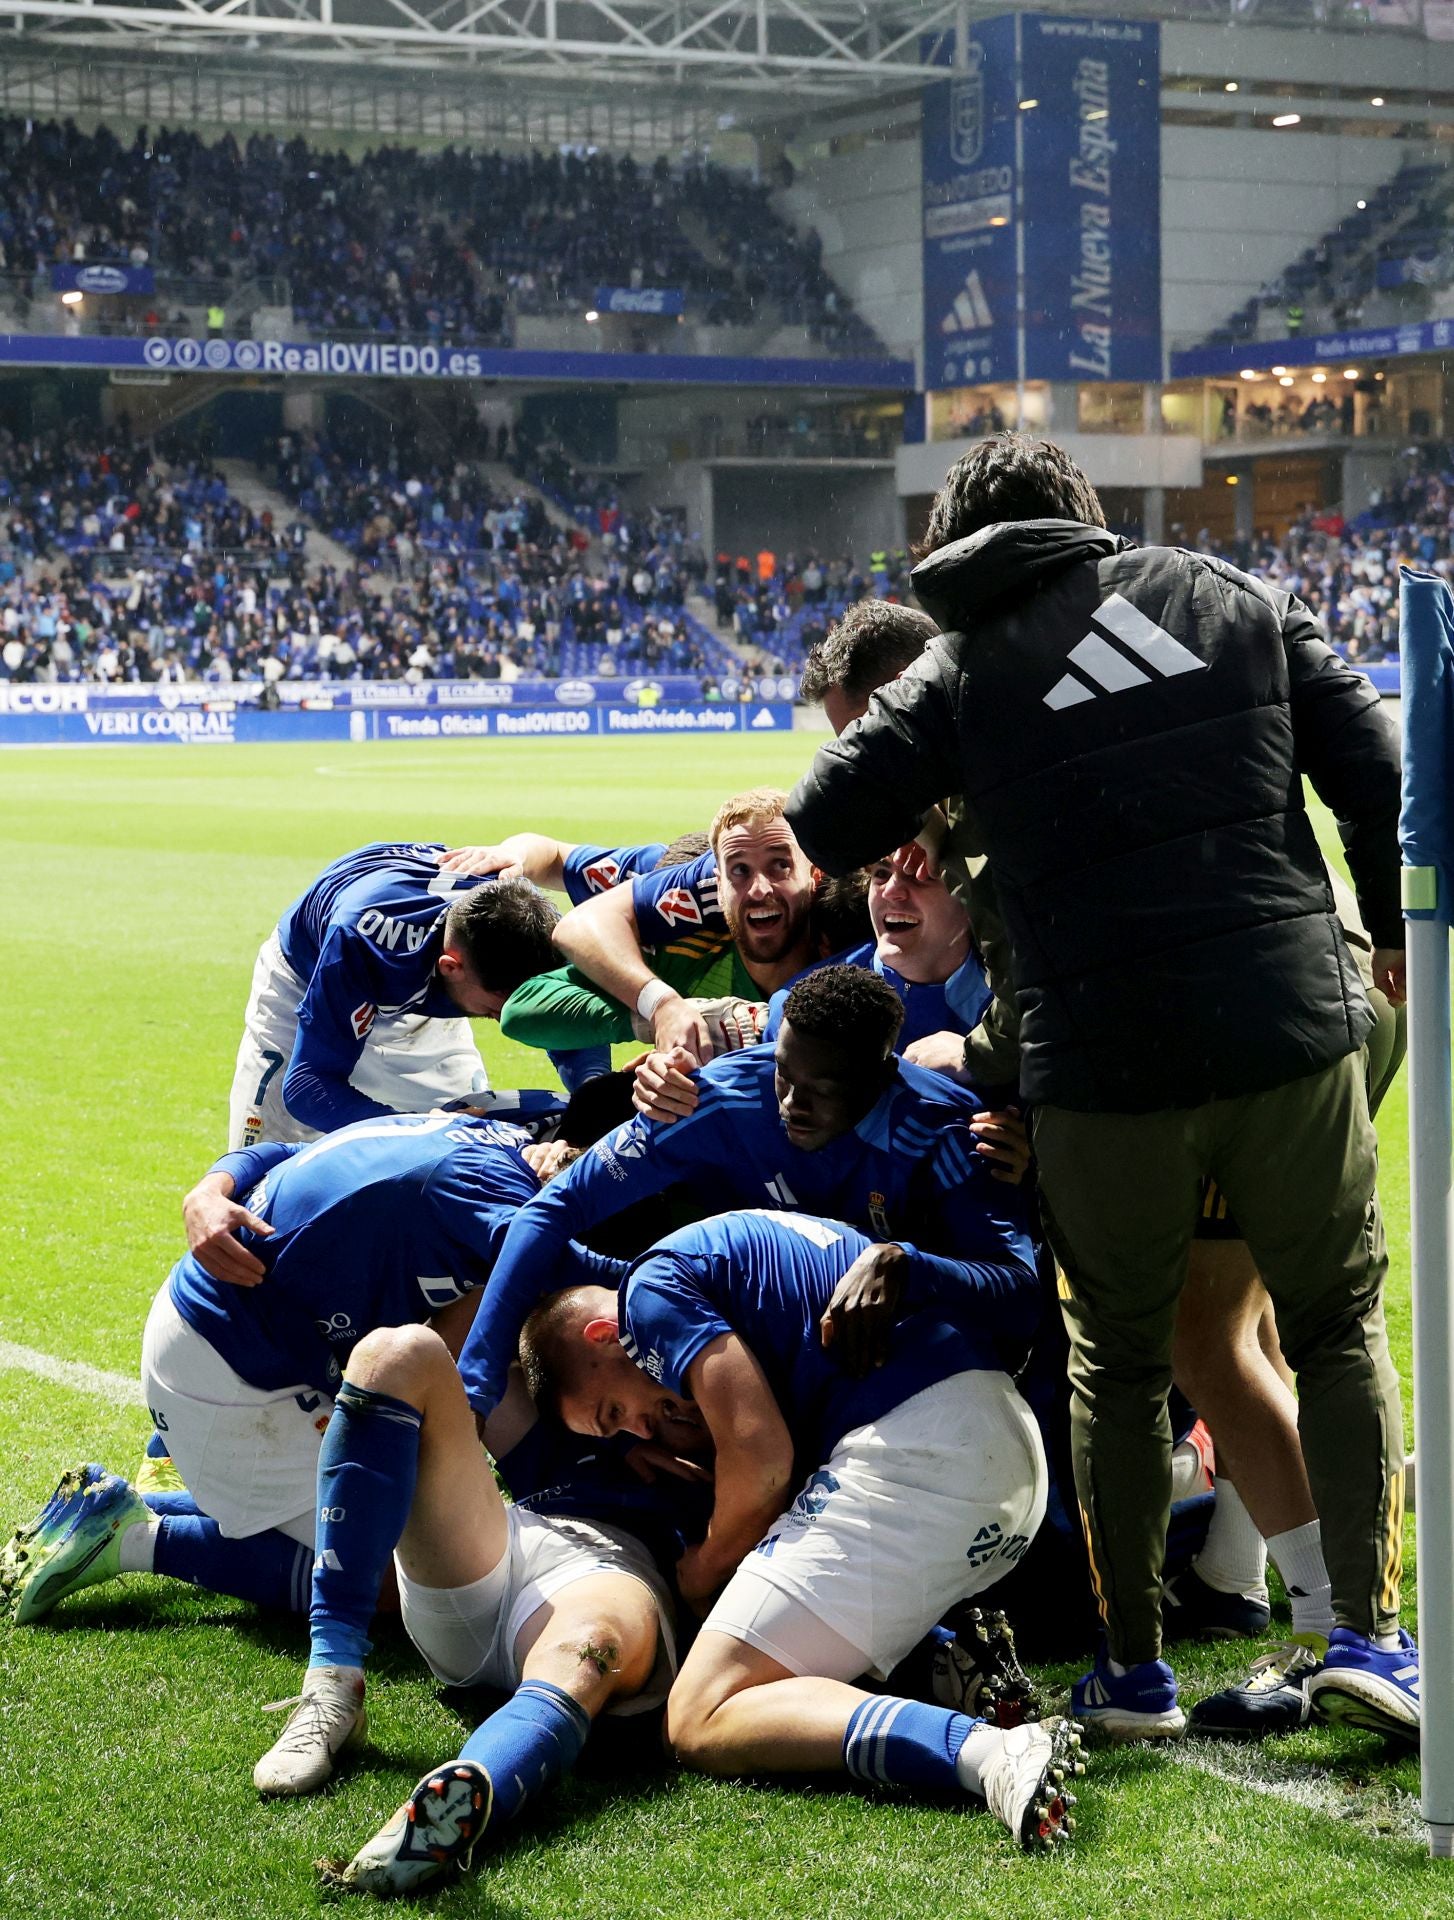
x=601 y=875
x=678 y=906
x=878 y=1215
x=814 y=1497
x=362 y=1018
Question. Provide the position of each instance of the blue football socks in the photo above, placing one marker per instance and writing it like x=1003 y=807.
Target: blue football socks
x=534 y=1739
x=891 y=1742
x=366 y=1473
x=267 y=1568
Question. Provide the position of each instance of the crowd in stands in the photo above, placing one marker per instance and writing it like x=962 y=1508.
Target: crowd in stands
x=127 y=561
x=438 y=246
x=1348 y=571
x=785 y=604
x=121 y=562
x=1331 y=283
x=84 y=492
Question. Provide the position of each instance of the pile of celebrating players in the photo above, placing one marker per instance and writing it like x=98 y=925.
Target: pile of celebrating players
x=803 y=1375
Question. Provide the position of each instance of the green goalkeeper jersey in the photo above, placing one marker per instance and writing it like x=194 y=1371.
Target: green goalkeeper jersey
x=565 y=1009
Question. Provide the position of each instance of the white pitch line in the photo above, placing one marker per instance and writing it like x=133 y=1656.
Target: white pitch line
x=1311 y=1790
x=114 y=1388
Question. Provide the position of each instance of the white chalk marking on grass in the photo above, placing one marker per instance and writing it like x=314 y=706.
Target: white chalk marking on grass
x=114 y=1388
x=1315 y=1791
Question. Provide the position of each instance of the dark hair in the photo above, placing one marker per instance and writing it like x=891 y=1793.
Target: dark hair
x=686 y=846
x=869 y=644
x=1009 y=477
x=840 y=912
x=849 y=1006
x=596 y=1106
x=543 y=1342
x=503 y=928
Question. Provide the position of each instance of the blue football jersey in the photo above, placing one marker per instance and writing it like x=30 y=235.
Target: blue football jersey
x=378 y=1225
x=672 y=901
x=589 y=870
x=768 y=1278
x=365 y=939
x=955 y=1005
x=908 y=1170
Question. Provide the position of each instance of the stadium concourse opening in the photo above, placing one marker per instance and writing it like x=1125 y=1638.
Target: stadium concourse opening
x=523 y=438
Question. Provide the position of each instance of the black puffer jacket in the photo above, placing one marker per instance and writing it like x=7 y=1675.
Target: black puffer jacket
x=1129 y=728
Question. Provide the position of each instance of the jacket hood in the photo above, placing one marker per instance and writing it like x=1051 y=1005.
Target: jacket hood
x=960 y=580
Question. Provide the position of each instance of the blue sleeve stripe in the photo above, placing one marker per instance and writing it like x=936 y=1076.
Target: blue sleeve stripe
x=914 y=1137
x=952 y=1164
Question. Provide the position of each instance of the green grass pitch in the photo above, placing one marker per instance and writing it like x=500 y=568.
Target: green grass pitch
x=137 y=884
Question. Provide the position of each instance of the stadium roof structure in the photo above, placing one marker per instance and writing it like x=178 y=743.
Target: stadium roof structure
x=809 y=50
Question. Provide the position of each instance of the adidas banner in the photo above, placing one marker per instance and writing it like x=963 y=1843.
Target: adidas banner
x=1055 y=123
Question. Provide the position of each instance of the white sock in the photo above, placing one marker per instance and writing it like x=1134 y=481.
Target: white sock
x=975 y=1755
x=1234 y=1559
x=139 y=1545
x=1298 y=1557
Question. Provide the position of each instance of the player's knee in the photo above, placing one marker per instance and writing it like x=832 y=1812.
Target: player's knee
x=605 y=1650
x=397 y=1360
x=612 y=1656
x=691 y=1733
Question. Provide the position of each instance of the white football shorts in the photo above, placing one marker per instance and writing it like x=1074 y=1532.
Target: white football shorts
x=248 y=1455
x=467 y=1635
x=909 y=1514
x=409 y=1063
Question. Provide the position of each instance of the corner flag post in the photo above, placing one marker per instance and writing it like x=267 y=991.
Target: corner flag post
x=1426 y=835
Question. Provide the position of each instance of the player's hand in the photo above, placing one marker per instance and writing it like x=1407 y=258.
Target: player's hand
x=676 y=1023
x=919 y=860
x=731 y=1023
x=1390 y=974
x=1004 y=1142
x=939 y=1052
x=859 y=1321
x=547 y=1158
x=212 y=1221
x=480 y=861
x=660 y=1087
x=648 y=1460
x=697 y=1582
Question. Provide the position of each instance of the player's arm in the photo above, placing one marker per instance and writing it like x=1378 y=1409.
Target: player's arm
x=564 y=1009
x=602 y=1182
x=754 y=1463
x=334 y=1018
x=894 y=1278
x=869 y=790
x=533 y=856
x=213 y=1219
x=975 y=1245
x=602 y=939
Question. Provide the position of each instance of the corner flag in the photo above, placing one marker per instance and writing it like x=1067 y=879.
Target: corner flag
x=1426 y=836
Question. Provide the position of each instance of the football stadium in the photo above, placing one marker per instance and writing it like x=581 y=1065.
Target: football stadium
x=727 y=783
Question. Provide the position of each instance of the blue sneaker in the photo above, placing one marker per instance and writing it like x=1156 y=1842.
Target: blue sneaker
x=74 y=1542
x=1362 y=1686
x=1191 y=1610
x=1138 y=1705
